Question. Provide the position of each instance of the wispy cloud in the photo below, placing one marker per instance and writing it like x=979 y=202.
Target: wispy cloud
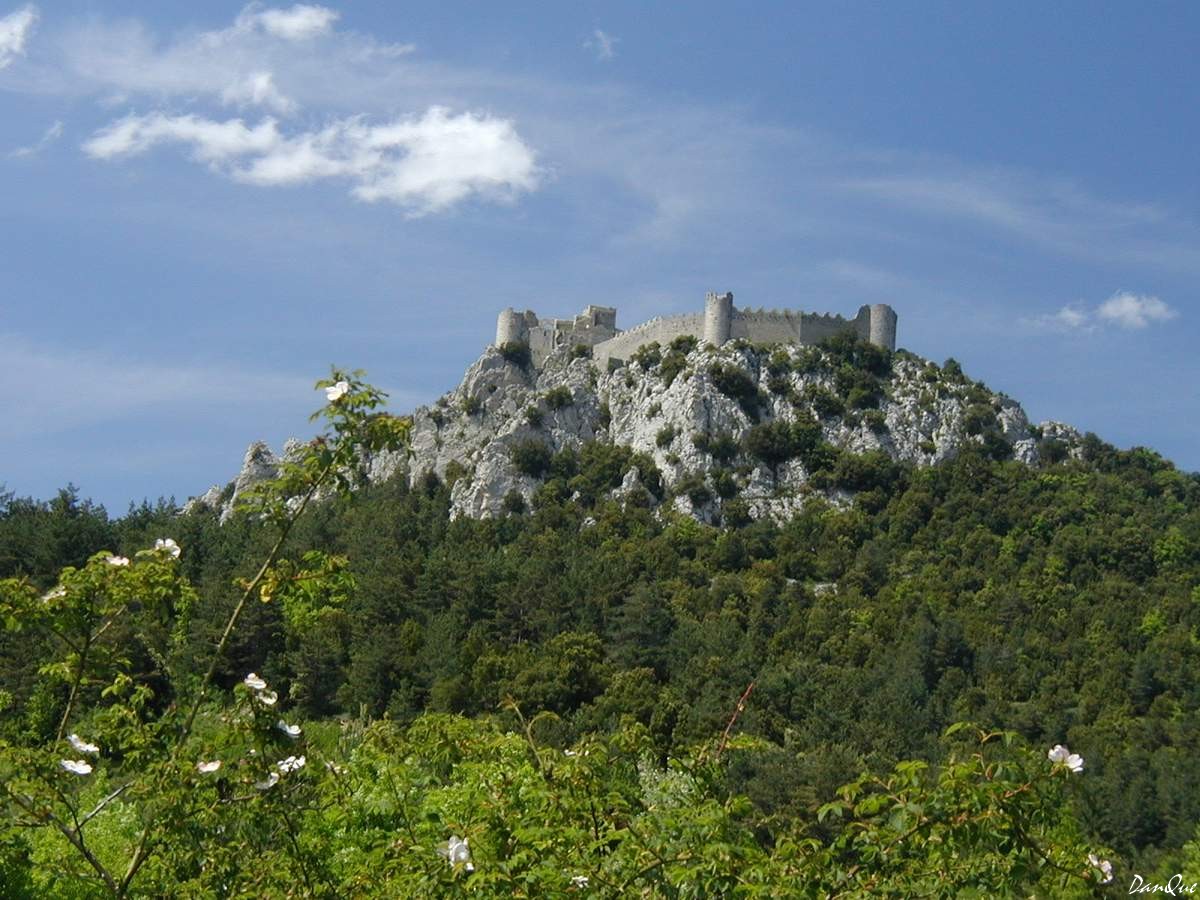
x=603 y=44
x=63 y=390
x=52 y=134
x=1123 y=309
x=424 y=164
x=14 y=32
x=1052 y=213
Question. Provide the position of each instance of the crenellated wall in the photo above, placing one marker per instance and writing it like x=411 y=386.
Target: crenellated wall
x=596 y=327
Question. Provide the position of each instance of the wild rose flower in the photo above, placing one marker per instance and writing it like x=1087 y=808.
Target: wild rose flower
x=81 y=745
x=271 y=780
x=1060 y=754
x=205 y=768
x=169 y=545
x=267 y=698
x=117 y=560
x=1103 y=866
x=292 y=731
x=54 y=593
x=457 y=853
x=579 y=881
x=336 y=392
x=291 y=764
x=255 y=683
x=76 y=766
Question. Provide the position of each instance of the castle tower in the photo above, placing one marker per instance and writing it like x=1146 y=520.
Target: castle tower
x=718 y=318
x=883 y=326
x=510 y=328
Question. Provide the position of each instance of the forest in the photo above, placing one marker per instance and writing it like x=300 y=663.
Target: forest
x=586 y=697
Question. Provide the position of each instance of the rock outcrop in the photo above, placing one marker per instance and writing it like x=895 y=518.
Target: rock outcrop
x=699 y=422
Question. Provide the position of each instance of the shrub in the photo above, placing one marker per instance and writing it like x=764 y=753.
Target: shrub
x=737 y=385
x=531 y=458
x=559 y=397
x=666 y=436
x=471 y=405
x=534 y=416
x=516 y=353
x=825 y=403
x=647 y=356
x=581 y=351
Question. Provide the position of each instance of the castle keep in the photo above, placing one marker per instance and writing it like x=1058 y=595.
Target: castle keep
x=596 y=327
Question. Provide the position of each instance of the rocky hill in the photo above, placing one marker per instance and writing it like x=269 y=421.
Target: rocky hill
x=740 y=431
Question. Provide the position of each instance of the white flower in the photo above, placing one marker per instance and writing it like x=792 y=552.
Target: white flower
x=76 y=766
x=1103 y=866
x=255 y=683
x=205 y=767
x=579 y=881
x=336 y=392
x=270 y=782
x=457 y=853
x=81 y=745
x=117 y=560
x=268 y=698
x=1060 y=754
x=291 y=764
x=169 y=545
x=570 y=753
x=54 y=593
x=292 y=731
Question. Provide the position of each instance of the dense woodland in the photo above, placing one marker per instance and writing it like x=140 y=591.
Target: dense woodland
x=1061 y=603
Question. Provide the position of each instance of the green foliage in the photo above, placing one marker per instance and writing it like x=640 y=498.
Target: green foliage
x=737 y=385
x=647 y=356
x=559 y=397
x=531 y=457
x=666 y=436
x=517 y=353
x=1050 y=605
x=534 y=416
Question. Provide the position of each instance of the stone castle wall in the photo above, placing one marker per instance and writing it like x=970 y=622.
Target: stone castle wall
x=663 y=329
x=596 y=327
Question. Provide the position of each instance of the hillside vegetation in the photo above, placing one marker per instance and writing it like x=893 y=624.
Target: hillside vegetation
x=560 y=682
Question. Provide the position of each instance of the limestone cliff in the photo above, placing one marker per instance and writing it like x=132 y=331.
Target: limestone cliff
x=743 y=429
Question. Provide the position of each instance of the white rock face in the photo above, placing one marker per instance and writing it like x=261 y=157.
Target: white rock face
x=672 y=417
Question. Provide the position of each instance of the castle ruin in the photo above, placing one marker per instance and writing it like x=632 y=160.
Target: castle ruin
x=596 y=327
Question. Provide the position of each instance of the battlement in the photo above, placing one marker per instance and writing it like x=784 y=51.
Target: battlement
x=596 y=327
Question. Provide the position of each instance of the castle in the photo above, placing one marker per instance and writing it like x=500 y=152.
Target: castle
x=596 y=327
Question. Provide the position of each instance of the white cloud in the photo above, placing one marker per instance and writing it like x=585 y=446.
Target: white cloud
x=1123 y=309
x=1134 y=311
x=424 y=164
x=301 y=22
x=258 y=89
x=52 y=134
x=14 y=31
x=212 y=142
x=603 y=44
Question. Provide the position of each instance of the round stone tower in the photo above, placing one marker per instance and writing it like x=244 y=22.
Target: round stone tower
x=718 y=318
x=510 y=328
x=883 y=326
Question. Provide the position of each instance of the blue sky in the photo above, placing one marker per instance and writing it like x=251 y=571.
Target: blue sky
x=204 y=205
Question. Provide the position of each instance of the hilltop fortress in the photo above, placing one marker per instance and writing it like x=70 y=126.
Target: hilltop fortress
x=596 y=327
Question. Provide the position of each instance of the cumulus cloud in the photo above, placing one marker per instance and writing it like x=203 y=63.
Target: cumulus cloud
x=258 y=89
x=1134 y=311
x=424 y=164
x=301 y=22
x=603 y=44
x=14 y=32
x=1123 y=309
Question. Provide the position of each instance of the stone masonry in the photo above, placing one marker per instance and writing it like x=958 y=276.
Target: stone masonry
x=721 y=321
